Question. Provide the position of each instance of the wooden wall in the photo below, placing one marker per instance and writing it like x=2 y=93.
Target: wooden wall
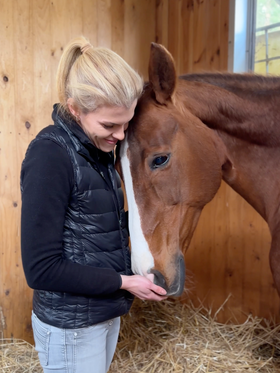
x=229 y=251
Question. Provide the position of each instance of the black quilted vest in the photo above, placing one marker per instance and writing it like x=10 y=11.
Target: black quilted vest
x=95 y=234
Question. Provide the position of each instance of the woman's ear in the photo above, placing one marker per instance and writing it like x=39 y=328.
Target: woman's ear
x=72 y=107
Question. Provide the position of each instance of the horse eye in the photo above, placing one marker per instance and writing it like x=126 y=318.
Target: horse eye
x=160 y=161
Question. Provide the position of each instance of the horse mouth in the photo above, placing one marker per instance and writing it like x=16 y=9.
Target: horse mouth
x=177 y=287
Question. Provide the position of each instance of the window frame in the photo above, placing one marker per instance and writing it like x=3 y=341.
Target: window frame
x=242 y=37
x=241 y=45
x=267 y=59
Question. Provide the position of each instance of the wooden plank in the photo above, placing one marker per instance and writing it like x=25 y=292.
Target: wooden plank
x=187 y=37
x=90 y=20
x=174 y=18
x=104 y=23
x=234 y=251
x=224 y=34
x=139 y=32
x=213 y=35
x=75 y=17
x=60 y=36
x=162 y=14
x=42 y=72
x=199 y=35
x=117 y=28
x=131 y=33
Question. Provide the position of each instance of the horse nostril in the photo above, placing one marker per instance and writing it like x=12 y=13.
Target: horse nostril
x=159 y=279
x=176 y=288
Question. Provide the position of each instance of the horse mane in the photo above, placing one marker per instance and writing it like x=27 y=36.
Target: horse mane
x=240 y=84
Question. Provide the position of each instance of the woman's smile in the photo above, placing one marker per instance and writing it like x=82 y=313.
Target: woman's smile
x=106 y=125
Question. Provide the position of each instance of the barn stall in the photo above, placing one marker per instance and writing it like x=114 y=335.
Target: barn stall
x=228 y=256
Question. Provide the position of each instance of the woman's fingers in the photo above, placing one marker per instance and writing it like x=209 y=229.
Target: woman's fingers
x=143 y=288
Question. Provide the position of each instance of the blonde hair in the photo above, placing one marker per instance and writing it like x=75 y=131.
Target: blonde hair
x=95 y=77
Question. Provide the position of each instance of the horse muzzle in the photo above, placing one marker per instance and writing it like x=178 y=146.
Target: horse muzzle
x=177 y=286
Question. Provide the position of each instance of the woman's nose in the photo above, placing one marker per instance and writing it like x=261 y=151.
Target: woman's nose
x=119 y=133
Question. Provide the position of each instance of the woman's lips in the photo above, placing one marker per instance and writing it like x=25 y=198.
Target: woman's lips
x=111 y=142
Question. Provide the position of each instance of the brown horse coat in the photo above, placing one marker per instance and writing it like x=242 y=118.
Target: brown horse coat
x=186 y=136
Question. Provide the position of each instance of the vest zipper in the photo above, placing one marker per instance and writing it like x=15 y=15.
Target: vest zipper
x=118 y=208
x=115 y=198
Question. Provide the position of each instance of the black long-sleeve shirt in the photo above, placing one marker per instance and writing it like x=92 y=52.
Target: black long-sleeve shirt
x=47 y=178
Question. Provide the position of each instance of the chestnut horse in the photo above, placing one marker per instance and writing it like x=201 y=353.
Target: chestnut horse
x=186 y=136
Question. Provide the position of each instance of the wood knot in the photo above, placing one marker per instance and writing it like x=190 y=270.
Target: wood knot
x=27 y=125
x=190 y=4
x=5 y=78
x=229 y=272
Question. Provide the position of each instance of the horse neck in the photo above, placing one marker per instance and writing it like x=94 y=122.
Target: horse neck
x=247 y=122
x=243 y=106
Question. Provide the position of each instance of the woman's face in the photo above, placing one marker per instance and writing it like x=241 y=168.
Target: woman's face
x=106 y=125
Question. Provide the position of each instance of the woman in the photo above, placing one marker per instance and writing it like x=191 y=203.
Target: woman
x=74 y=229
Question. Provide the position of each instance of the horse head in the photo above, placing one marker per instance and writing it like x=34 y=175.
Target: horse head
x=171 y=167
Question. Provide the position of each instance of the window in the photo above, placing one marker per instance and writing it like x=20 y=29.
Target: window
x=267 y=37
x=254 y=36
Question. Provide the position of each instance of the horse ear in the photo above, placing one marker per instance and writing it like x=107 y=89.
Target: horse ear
x=162 y=73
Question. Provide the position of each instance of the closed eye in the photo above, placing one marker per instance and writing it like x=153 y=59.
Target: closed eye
x=160 y=161
x=107 y=127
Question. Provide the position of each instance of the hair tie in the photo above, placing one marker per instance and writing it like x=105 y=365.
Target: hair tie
x=85 y=48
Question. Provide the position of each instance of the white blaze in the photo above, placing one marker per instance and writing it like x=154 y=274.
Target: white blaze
x=141 y=257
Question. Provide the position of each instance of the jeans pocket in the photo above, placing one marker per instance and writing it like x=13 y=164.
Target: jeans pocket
x=41 y=334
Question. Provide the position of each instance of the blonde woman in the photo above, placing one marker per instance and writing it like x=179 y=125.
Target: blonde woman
x=74 y=229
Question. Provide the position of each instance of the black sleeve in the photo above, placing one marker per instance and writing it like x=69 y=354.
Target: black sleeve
x=47 y=181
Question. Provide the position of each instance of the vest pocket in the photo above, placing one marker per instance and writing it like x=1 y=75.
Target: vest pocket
x=42 y=335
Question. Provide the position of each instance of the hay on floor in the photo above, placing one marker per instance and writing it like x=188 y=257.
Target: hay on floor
x=173 y=337
x=17 y=356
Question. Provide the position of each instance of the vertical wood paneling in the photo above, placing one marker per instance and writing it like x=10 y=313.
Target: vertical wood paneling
x=199 y=35
x=229 y=251
x=104 y=23
x=42 y=57
x=131 y=32
x=74 y=13
x=60 y=35
x=162 y=22
x=223 y=34
x=213 y=35
x=90 y=20
x=174 y=32
x=187 y=39
x=117 y=27
x=139 y=32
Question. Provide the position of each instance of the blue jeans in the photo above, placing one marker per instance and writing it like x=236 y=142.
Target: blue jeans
x=84 y=350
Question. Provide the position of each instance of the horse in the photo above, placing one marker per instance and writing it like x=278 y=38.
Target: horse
x=187 y=135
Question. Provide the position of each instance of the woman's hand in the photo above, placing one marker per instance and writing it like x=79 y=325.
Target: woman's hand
x=143 y=288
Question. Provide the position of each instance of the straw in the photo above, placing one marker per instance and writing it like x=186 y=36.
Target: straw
x=173 y=337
